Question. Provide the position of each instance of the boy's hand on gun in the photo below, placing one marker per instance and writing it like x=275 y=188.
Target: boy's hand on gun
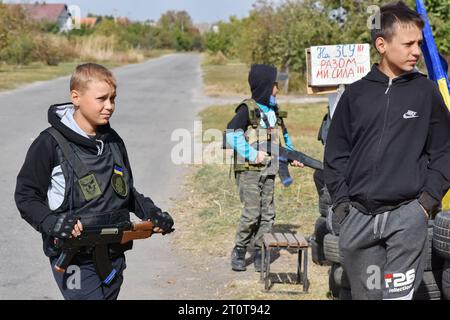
x=163 y=223
x=261 y=157
x=77 y=229
x=67 y=226
x=297 y=164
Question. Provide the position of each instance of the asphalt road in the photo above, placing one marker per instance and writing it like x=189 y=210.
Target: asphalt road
x=154 y=98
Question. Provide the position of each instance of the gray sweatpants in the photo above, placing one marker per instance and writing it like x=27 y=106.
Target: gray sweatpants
x=383 y=254
x=256 y=192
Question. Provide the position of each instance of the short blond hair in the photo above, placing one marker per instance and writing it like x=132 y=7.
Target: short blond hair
x=86 y=73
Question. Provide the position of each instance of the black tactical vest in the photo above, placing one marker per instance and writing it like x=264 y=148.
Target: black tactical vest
x=97 y=188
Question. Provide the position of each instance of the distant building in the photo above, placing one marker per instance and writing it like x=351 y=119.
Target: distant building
x=89 y=22
x=50 y=13
x=151 y=23
x=122 y=21
x=207 y=27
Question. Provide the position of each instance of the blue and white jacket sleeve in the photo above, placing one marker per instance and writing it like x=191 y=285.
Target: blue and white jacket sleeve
x=237 y=141
x=288 y=142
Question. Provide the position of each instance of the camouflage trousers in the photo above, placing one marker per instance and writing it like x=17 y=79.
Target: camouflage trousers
x=256 y=192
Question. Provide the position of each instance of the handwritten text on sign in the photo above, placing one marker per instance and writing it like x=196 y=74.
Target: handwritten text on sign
x=339 y=64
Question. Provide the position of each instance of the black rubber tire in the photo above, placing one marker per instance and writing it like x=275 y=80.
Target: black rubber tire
x=432 y=260
x=334 y=287
x=317 y=254
x=324 y=202
x=441 y=235
x=430 y=287
x=446 y=281
x=320 y=230
x=331 y=248
x=345 y=294
x=340 y=277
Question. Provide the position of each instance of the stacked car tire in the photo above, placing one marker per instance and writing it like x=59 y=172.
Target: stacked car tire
x=435 y=284
x=441 y=247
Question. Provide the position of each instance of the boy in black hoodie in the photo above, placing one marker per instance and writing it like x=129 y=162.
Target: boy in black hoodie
x=387 y=163
x=256 y=122
x=58 y=201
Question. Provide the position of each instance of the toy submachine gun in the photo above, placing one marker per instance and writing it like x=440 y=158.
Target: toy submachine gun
x=98 y=238
x=284 y=157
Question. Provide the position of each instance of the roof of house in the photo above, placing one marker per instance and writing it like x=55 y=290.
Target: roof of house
x=43 y=11
x=122 y=20
x=91 y=21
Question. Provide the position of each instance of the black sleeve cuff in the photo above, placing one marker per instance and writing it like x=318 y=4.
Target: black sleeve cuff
x=48 y=224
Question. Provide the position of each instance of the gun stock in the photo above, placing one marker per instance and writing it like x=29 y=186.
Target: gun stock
x=135 y=235
x=143 y=226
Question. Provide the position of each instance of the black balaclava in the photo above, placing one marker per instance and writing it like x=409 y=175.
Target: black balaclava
x=261 y=79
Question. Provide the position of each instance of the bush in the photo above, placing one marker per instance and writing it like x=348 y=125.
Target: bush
x=216 y=59
x=52 y=49
x=19 y=51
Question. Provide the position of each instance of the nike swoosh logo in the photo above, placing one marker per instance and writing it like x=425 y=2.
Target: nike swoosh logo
x=405 y=116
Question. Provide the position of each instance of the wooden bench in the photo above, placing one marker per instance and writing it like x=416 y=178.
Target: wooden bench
x=287 y=241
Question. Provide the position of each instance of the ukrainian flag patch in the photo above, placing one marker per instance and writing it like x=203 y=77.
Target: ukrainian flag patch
x=118 y=170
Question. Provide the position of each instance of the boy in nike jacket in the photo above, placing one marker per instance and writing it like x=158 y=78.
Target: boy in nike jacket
x=57 y=201
x=387 y=163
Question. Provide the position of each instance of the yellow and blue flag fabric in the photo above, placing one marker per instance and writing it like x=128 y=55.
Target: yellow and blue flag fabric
x=118 y=170
x=436 y=64
x=437 y=68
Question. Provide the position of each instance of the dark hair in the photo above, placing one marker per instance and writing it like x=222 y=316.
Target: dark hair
x=393 y=14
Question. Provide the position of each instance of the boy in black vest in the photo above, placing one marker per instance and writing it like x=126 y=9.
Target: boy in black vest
x=255 y=179
x=77 y=174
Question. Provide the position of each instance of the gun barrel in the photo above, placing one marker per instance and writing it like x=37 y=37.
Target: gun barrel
x=288 y=155
x=306 y=160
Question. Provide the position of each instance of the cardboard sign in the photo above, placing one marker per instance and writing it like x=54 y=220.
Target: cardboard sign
x=338 y=64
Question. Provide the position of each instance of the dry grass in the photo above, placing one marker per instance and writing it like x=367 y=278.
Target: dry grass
x=90 y=50
x=230 y=77
x=227 y=78
x=13 y=76
x=105 y=48
x=211 y=210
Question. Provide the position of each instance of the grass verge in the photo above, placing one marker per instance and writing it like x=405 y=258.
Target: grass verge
x=13 y=76
x=208 y=216
x=229 y=77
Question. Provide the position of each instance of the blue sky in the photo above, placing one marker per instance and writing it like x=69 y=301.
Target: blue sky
x=200 y=10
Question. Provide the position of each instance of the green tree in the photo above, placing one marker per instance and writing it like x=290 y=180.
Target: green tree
x=16 y=35
x=226 y=39
x=180 y=29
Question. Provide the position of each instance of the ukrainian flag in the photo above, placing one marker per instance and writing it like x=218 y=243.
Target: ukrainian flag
x=118 y=170
x=437 y=68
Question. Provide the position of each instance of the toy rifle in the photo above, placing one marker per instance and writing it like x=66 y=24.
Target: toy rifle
x=285 y=157
x=98 y=238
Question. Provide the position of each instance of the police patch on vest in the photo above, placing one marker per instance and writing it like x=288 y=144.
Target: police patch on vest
x=119 y=185
x=90 y=187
